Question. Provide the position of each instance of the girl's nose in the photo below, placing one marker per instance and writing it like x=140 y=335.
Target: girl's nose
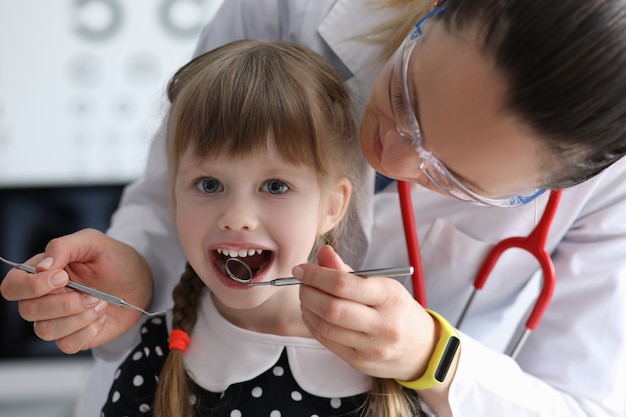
x=238 y=215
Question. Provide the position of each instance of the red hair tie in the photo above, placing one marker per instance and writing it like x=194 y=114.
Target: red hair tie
x=179 y=339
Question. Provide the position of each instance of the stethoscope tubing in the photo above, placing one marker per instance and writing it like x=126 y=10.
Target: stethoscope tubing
x=534 y=243
x=412 y=242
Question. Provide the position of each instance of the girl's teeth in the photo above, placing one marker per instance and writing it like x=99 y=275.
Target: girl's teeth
x=239 y=254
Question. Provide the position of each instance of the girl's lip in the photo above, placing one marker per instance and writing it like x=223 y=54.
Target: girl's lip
x=237 y=246
x=231 y=283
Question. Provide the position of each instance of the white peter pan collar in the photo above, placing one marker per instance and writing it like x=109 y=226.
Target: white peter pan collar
x=221 y=354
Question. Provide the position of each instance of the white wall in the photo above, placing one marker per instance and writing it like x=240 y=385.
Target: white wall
x=81 y=84
x=41 y=387
x=81 y=92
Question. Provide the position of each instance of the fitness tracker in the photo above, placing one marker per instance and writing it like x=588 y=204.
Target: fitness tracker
x=442 y=357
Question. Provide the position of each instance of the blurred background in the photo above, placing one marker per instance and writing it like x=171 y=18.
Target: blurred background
x=81 y=93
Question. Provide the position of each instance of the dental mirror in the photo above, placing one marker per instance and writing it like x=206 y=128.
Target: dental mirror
x=239 y=269
x=243 y=274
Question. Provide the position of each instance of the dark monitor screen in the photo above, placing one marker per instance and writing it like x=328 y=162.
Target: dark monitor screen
x=29 y=219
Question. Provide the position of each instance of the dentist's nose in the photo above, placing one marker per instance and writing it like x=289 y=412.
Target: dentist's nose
x=401 y=159
x=238 y=214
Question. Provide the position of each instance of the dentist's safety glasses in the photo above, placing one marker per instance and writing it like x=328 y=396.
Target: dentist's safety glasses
x=409 y=128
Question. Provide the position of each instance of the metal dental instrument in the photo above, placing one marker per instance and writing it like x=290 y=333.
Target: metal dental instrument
x=87 y=290
x=386 y=272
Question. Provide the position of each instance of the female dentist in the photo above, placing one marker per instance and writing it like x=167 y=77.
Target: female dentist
x=485 y=101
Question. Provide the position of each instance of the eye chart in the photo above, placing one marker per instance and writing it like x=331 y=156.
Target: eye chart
x=82 y=84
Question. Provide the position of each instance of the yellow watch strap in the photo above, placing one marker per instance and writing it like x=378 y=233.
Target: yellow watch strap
x=441 y=359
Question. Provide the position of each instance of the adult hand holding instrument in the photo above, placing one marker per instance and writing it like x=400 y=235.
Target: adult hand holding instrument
x=111 y=299
x=384 y=272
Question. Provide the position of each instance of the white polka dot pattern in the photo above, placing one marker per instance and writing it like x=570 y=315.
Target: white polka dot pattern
x=274 y=393
x=138 y=380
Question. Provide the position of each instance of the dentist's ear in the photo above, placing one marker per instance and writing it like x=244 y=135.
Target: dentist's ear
x=336 y=205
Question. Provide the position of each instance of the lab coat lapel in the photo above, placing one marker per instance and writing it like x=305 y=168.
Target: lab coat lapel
x=347 y=20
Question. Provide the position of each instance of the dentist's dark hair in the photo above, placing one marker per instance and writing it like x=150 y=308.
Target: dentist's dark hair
x=564 y=68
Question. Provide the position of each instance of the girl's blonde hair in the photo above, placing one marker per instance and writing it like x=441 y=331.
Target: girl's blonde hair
x=225 y=102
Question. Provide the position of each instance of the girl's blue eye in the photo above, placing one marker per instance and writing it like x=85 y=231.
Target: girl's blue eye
x=275 y=187
x=209 y=185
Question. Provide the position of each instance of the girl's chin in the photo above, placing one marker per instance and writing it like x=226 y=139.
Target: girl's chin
x=226 y=301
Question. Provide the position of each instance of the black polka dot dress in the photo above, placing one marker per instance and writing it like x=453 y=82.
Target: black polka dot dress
x=274 y=393
x=256 y=378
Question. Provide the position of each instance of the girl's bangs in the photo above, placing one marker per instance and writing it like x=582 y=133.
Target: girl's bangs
x=233 y=114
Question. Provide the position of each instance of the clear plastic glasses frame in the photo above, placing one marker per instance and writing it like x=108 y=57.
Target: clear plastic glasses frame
x=408 y=127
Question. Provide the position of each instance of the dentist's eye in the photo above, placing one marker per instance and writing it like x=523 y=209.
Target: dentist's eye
x=398 y=104
x=275 y=187
x=209 y=185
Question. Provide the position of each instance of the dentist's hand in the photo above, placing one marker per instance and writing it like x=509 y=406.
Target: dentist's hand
x=74 y=320
x=372 y=323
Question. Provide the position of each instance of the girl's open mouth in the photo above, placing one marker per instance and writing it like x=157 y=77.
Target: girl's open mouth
x=256 y=260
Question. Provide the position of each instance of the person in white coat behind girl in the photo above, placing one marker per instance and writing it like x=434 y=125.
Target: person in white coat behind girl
x=509 y=96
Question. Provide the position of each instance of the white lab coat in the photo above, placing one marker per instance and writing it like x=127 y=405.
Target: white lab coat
x=572 y=365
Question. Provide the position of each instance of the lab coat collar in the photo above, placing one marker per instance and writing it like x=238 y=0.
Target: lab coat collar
x=221 y=354
x=342 y=38
x=340 y=28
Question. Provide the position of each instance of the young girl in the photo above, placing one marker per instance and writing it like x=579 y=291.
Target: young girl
x=261 y=147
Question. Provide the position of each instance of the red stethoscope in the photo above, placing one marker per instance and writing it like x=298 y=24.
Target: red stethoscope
x=534 y=243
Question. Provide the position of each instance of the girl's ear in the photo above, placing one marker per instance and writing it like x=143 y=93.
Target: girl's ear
x=336 y=205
